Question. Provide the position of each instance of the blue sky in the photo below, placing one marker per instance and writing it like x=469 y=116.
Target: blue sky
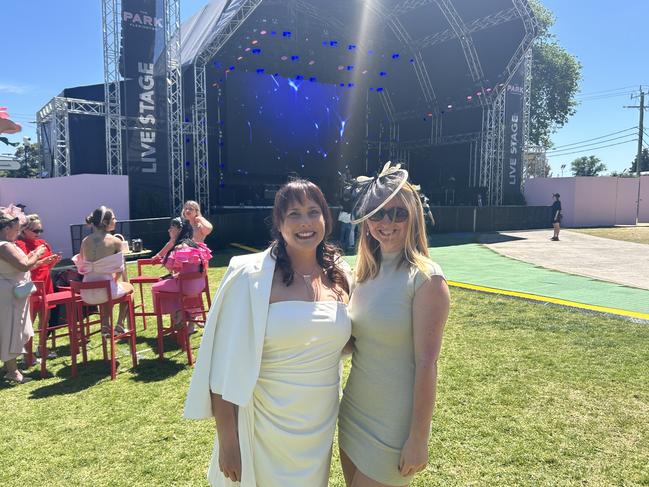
x=52 y=45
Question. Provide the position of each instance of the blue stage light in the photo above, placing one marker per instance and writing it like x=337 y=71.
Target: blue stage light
x=383 y=73
x=273 y=33
x=379 y=89
x=222 y=166
x=313 y=79
x=395 y=55
x=350 y=68
x=333 y=43
x=351 y=47
x=350 y=85
x=325 y=43
x=188 y=163
x=286 y=33
x=295 y=58
x=299 y=77
x=260 y=71
x=231 y=68
x=256 y=50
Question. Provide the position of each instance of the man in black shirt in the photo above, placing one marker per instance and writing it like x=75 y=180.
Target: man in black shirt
x=556 y=217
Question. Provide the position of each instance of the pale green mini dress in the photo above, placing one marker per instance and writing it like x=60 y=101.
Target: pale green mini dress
x=376 y=408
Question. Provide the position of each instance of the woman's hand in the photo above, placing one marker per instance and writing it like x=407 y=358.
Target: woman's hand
x=38 y=251
x=414 y=456
x=230 y=457
x=49 y=260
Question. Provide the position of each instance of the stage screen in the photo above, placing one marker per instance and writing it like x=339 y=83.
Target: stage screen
x=275 y=126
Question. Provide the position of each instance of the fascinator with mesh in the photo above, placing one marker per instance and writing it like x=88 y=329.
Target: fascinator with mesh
x=13 y=212
x=370 y=194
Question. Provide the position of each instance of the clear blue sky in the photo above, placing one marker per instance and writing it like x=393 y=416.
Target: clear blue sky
x=48 y=46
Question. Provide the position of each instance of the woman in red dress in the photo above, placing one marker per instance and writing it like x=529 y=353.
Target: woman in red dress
x=28 y=241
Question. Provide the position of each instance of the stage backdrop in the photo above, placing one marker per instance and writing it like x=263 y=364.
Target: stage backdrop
x=143 y=69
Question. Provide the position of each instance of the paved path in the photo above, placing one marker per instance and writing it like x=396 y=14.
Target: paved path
x=625 y=263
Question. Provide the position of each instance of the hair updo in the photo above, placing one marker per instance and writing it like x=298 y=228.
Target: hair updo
x=100 y=218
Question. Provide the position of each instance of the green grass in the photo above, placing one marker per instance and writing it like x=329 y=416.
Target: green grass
x=529 y=395
x=637 y=234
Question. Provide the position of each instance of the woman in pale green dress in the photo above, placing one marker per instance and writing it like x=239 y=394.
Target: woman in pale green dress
x=398 y=310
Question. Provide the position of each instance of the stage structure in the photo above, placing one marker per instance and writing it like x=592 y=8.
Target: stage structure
x=464 y=69
x=268 y=88
x=141 y=42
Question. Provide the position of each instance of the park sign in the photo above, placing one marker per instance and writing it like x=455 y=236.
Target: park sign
x=513 y=142
x=9 y=163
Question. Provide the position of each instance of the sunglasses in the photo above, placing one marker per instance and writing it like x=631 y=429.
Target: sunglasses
x=395 y=214
x=37 y=231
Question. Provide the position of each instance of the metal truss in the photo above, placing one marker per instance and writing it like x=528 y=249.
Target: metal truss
x=461 y=32
x=55 y=116
x=111 y=22
x=174 y=105
x=531 y=26
x=474 y=163
x=231 y=19
x=527 y=98
x=492 y=150
x=477 y=25
x=415 y=144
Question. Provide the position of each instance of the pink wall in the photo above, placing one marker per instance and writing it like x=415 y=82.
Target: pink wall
x=61 y=202
x=592 y=201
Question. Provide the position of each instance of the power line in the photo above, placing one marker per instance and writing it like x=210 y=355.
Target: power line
x=585 y=146
x=591 y=149
x=607 y=91
x=594 y=138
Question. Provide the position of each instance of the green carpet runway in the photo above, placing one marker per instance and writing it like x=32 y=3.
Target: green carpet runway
x=474 y=264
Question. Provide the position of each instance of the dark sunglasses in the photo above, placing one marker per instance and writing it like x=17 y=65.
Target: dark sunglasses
x=37 y=231
x=395 y=214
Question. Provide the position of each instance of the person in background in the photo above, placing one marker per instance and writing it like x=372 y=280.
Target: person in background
x=185 y=256
x=29 y=241
x=556 y=217
x=15 y=321
x=101 y=259
x=201 y=227
x=346 y=230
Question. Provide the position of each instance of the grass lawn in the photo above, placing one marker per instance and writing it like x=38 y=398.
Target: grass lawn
x=639 y=234
x=529 y=395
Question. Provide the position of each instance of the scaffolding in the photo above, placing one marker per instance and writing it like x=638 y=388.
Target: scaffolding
x=111 y=26
x=54 y=130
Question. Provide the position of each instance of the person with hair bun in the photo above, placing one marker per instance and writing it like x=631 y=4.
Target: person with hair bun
x=398 y=310
x=185 y=256
x=268 y=365
x=101 y=259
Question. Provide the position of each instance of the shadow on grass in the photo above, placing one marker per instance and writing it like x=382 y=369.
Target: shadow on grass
x=156 y=370
x=496 y=237
x=88 y=374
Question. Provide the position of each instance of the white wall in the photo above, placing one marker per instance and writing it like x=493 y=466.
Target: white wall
x=592 y=201
x=61 y=202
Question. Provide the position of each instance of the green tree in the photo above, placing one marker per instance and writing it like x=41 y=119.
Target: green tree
x=644 y=162
x=28 y=157
x=555 y=81
x=587 y=166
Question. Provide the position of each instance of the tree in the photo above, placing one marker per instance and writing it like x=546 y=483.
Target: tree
x=28 y=157
x=555 y=81
x=536 y=164
x=644 y=162
x=587 y=166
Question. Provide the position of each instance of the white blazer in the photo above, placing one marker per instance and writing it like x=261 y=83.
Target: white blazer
x=229 y=356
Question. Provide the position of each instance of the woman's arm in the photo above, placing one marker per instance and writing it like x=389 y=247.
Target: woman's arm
x=164 y=250
x=18 y=259
x=225 y=414
x=204 y=226
x=429 y=314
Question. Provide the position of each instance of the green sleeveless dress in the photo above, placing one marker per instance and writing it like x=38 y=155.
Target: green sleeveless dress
x=376 y=408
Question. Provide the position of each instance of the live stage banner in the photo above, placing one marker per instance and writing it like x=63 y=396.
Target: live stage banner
x=513 y=146
x=142 y=65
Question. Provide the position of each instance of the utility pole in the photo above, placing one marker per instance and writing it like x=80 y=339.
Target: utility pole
x=641 y=108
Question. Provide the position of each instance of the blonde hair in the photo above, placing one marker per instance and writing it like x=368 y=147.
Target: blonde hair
x=192 y=204
x=415 y=249
x=30 y=220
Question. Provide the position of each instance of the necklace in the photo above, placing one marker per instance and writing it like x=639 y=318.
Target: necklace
x=308 y=283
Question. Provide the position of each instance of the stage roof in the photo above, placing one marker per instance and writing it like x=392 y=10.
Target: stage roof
x=423 y=56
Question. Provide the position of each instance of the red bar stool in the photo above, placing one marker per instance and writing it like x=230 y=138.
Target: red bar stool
x=129 y=334
x=40 y=303
x=192 y=308
x=140 y=280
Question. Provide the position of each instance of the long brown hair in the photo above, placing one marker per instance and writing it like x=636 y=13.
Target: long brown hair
x=327 y=254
